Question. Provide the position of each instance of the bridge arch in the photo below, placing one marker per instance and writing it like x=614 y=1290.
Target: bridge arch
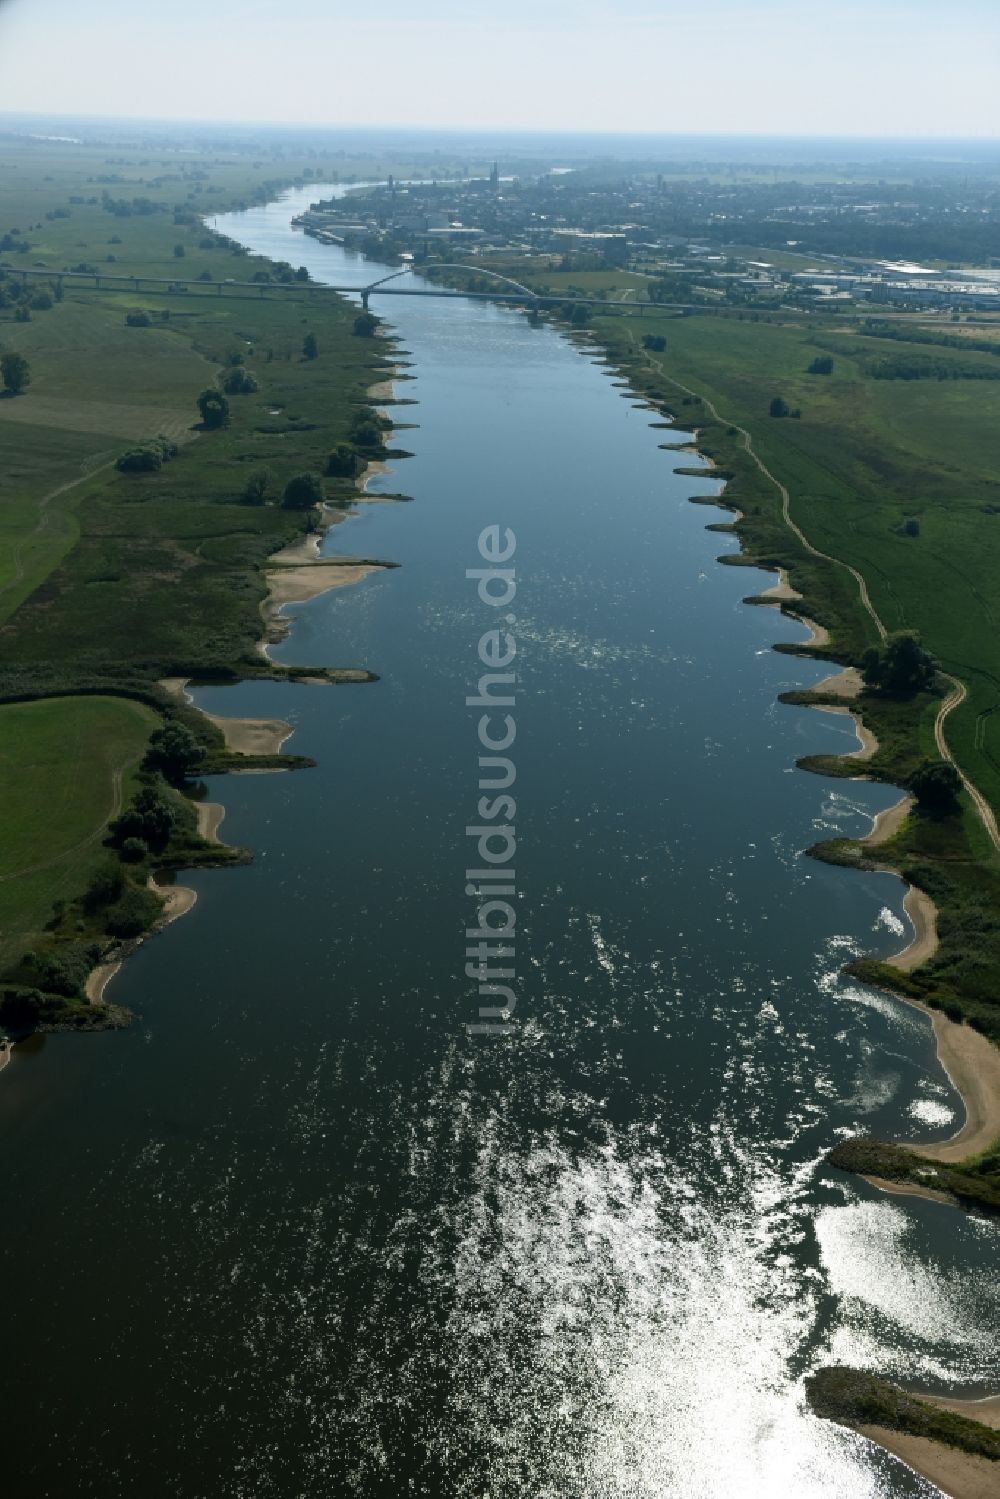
x=479 y=270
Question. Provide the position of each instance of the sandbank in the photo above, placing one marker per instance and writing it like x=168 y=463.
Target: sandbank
x=782 y=592
x=297 y=584
x=243 y=736
x=176 y=900
x=782 y=589
x=889 y=822
x=846 y=683
x=962 y=1475
x=985 y=1410
x=869 y=744
x=908 y=1189
x=210 y=815
x=973 y=1066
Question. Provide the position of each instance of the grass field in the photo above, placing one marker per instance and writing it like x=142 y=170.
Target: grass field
x=66 y=764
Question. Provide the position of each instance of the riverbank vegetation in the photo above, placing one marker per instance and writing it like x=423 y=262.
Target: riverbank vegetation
x=974 y=1184
x=854 y=1398
x=141 y=477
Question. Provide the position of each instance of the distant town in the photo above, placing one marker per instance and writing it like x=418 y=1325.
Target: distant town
x=709 y=241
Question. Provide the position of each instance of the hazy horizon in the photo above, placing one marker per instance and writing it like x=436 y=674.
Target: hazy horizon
x=417 y=132
x=607 y=67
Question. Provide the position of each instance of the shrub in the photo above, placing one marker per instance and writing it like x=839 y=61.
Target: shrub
x=239 y=382
x=936 y=785
x=149 y=458
x=63 y=970
x=310 y=347
x=15 y=372
x=139 y=461
x=258 y=486
x=779 y=407
x=137 y=318
x=105 y=887
x=365 y=325
x=655 y=342
x=821 y=365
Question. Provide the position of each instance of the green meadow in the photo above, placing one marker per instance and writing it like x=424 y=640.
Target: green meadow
x=66 y=766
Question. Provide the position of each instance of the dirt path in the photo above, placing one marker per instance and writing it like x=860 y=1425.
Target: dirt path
x=959 y=691
x=956 y=696
x=786 y=503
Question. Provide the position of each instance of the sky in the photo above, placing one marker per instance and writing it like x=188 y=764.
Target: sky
x=782 y=67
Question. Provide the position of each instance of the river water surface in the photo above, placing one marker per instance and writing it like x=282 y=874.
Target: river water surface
x=296 y=1233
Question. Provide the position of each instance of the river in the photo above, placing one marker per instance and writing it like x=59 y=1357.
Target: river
x=298 y=1232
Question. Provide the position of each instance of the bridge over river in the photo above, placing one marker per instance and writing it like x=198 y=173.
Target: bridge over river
x=506 y=290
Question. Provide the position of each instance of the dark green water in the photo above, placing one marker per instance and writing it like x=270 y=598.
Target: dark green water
x=296 y=1233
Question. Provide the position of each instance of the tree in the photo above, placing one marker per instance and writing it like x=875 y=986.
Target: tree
x=137 y=318
x=258 y=486
x=821 y=365
x=654 y=342
x=239 y=382
x=310 y=348
x=150 y=816
x=302 y=274
x=901 y=667
x=174 y=752
x=15 y=371
x=365 y=324
x=303 y=492
x=214 y=408
x=779 y=407
x=936 y=785
x=179 y=252
x=911 y=527
x=367 y=434
x=343 y=462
